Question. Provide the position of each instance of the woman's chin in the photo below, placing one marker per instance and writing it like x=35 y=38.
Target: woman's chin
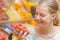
x=40 y=24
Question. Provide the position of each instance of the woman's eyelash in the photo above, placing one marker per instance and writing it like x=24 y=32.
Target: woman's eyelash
x=42 y=15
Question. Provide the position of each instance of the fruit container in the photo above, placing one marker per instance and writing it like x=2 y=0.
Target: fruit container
x=19 y=27
x=16 y=28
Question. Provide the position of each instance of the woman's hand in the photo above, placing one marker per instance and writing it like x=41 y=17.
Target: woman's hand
x=23 y=33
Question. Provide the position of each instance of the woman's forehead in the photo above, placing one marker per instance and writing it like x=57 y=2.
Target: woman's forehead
x=41 y=8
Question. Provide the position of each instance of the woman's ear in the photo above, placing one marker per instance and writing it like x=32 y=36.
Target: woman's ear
x=54 y=15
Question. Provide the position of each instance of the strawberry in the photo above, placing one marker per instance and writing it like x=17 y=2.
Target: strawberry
x=2 y=37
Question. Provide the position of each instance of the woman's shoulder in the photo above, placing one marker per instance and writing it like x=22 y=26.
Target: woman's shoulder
x=57 y=36
x=58 y=28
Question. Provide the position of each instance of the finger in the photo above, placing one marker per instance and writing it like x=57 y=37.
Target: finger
x=27 y=33
x=20 y=34
x=24 y=34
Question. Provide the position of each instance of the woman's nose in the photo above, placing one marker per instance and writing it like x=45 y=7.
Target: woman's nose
x=37 y=17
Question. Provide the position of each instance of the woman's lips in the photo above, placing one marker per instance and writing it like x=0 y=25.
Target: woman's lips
x=39 y=21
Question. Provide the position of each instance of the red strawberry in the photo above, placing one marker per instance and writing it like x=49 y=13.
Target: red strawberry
x=13 y=26
x=19 y=25
x=1 y=12
x=18 y=30
x=3 y=17
x=2 y=37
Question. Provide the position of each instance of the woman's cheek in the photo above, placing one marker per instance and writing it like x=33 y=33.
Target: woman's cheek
x=44 y=20
x=47 y=20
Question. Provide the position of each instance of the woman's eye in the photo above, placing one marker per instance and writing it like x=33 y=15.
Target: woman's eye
x=43 y=15
x=40 y=14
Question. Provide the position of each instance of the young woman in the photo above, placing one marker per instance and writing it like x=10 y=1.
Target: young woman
x=47 y=21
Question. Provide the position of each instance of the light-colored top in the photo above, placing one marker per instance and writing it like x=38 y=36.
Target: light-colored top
x=34 y=36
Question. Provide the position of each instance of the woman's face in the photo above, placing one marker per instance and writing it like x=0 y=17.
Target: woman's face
x=42 y=16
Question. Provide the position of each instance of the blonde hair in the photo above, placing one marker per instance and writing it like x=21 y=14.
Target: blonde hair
x=52 y=6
